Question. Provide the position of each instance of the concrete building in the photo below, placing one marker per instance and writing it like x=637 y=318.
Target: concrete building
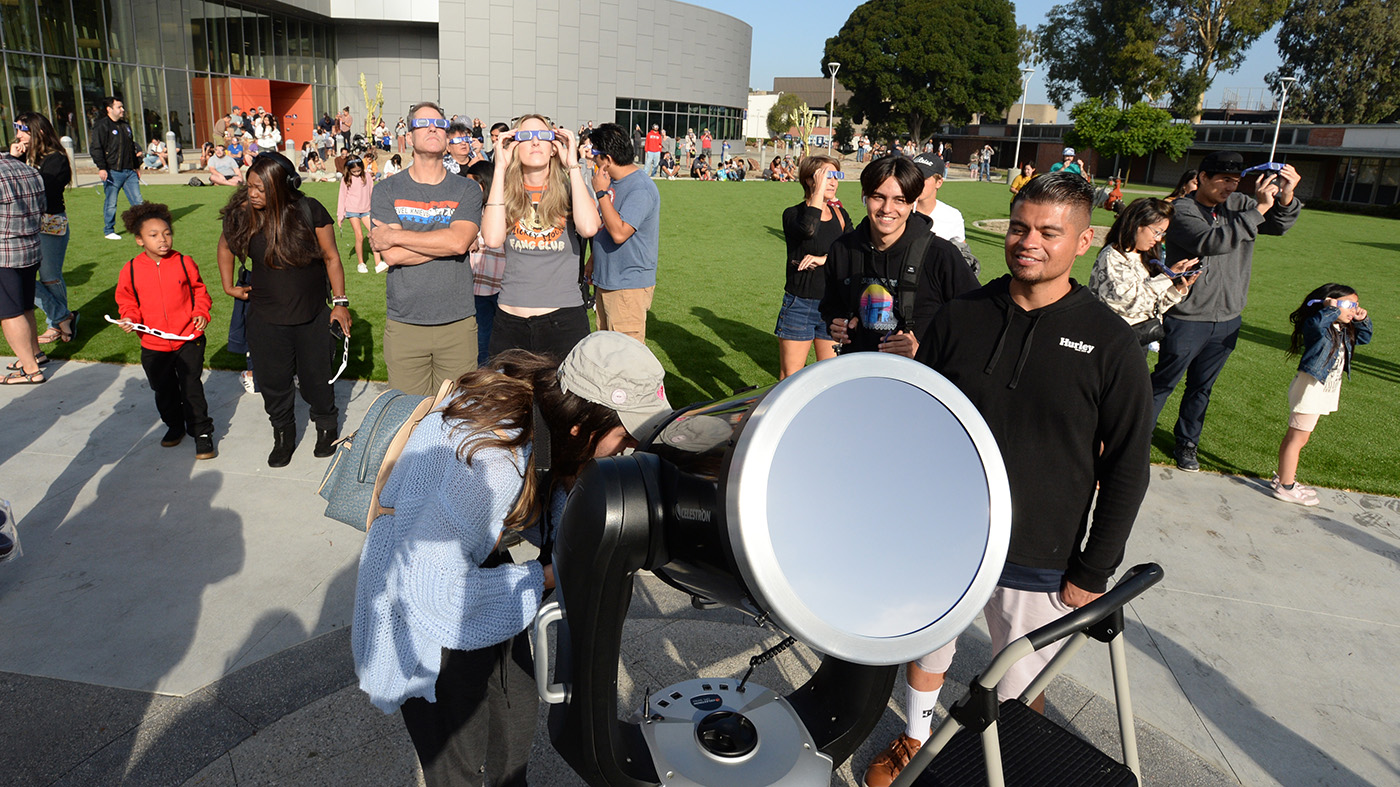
x=180 y=64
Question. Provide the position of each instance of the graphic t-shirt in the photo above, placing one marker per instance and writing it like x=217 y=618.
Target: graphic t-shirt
x=439 y=291
x=653 y=142
x=541 y=268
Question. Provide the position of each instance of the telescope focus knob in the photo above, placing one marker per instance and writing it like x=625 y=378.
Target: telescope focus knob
x=727 y=734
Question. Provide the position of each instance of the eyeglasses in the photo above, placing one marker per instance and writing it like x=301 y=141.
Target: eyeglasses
x=1156 y=234
x=428 y=123
x=459 y=140
x=1347 y=304
x=21 y=127
x=544 y=135
x=832 y=174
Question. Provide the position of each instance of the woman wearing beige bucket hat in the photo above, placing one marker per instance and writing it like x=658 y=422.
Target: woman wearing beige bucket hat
x=440 y=605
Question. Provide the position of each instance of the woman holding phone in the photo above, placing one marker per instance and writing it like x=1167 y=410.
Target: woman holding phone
x=289 y=239
x=540 y=209
x=1130 y=275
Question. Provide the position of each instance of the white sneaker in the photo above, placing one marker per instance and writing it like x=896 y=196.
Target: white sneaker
x=1154 y=347
x=1306 y=491
x=362 y=268
x=246 y=378
x=1297 y=495
x=112 y=236
x=381 y=267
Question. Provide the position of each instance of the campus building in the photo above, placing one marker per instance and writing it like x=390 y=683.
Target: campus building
x=179 y=65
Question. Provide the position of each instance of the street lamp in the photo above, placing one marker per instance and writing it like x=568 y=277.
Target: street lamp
x=1020 y=124
x=831 y=108
x=1284 y=82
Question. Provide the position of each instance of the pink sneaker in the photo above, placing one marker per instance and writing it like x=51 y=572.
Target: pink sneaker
x=1295 y=495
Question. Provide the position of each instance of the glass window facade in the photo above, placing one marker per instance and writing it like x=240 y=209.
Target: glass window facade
x=1368 y=181
x=170 y=61
x=678 y=117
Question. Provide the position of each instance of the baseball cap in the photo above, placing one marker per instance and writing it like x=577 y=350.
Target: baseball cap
x=617 y=371
x=1220 y=162
x=1067 y=152
x=930 y=165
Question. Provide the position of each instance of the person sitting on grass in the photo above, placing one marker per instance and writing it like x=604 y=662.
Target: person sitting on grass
x=161 y=288
x=223 y=168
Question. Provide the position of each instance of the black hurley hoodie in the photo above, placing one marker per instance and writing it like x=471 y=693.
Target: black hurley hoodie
x=1053 y=385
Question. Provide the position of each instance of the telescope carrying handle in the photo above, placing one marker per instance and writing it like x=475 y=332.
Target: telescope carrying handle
x=550 y=613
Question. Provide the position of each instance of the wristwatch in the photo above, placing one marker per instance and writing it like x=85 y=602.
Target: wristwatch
x=600 y=194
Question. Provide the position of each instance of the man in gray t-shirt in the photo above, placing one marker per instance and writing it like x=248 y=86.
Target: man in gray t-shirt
x=223 y=168
x=422 y=222
x=623 y=267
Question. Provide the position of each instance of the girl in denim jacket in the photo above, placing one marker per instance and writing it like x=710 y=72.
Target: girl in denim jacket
x=1326 y=330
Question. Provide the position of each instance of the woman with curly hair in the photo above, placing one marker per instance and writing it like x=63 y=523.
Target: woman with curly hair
x=288 y=237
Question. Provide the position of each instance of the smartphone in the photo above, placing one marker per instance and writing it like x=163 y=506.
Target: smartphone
x=337 y=331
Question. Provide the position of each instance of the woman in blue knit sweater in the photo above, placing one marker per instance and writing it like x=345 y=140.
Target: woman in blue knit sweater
x=440 y=605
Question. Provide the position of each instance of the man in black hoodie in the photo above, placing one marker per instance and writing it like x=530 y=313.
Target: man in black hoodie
x=115 y=154
x=884 y=284
x=1060 y=381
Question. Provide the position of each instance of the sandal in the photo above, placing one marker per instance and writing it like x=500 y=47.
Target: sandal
x=17 y=366
x=23 y=378
x=50 y=336
x=72 y=332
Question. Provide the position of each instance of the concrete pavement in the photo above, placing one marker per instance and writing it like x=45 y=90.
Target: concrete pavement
x=174 y=621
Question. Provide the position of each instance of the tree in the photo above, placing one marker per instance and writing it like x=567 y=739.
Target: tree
x=1106 y=49
x=1027 y=46
x=927 y=61
x=1205 y=37
x=1342 y=77
x=784 y=114
x=843 y=133
x=1135 y=131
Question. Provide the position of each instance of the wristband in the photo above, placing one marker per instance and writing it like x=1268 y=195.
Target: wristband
x=600 y=194
x=341 y=301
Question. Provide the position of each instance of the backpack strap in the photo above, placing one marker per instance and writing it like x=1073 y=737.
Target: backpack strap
x=396 y=446
x=909 y=278
x=131 y=271
x=185 y=263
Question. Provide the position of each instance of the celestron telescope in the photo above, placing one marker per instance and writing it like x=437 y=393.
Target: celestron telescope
x=860 y=506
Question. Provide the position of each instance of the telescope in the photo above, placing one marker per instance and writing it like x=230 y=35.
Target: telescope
x=860 y=507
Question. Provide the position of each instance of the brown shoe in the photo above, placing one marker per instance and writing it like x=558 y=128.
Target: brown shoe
x=888 y=763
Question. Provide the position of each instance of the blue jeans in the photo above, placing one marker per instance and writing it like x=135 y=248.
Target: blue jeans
x=125 y=180
x=860 y=155
x=986 y=171
x=485 y=318
x=1197 y=350
x=51 y=294
x=653 y=162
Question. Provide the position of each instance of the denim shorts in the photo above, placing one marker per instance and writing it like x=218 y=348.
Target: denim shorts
x=800 y=321
x=350 y=214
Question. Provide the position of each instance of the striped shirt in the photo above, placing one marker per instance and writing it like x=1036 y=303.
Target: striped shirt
x=22 y=204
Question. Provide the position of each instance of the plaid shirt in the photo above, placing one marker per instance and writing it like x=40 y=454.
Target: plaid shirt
x=22 y=204
x=488 y=266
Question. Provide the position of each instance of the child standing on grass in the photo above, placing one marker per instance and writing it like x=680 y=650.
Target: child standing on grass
x=161 y=288
x=356 y=189
x=1326 y=329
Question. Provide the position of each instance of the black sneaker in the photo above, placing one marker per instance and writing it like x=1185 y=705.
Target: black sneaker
x=1186 y=458
x=204 y=447
x=173 y=436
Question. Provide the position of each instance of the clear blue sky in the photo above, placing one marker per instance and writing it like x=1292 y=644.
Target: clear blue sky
x=788 y=38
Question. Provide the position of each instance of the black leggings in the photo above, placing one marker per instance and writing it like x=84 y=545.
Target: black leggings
x=281 y=351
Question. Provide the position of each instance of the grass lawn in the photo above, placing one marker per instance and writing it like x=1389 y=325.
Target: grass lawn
x=721 y=279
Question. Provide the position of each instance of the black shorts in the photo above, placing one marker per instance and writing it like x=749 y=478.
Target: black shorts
x=17 y=290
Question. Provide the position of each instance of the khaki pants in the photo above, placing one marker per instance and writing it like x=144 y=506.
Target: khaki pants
x=420 y=357
x=624 y=311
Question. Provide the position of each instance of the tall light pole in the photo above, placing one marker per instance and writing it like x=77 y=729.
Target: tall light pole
x=1284 y=82
x=1020 y=124
x=831 y=108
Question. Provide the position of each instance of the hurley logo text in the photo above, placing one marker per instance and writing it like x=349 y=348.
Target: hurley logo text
x=1073 y=345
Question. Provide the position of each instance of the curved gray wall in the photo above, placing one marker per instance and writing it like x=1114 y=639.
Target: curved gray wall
x=572 y=59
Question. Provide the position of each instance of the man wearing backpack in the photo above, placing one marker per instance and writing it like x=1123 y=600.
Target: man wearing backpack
x=883 y=283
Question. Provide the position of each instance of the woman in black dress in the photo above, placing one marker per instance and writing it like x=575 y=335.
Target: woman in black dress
x=809 y=227
x=295 y=264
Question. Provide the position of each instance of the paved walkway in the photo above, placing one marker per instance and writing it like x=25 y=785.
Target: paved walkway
x=174 y=621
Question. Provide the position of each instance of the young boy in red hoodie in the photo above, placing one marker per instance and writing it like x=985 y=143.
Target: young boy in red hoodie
x=161 y=288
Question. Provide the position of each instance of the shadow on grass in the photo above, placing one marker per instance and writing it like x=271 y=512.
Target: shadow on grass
x=1361 y=363
x=1376 y=245
x=706 y=376
x=185 y=210
x=761 y=347
x=78 y=275
x=777 y=232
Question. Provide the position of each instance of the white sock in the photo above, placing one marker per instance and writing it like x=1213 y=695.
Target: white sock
x=919 y=705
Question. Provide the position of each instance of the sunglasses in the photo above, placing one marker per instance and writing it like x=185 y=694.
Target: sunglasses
x=832 y=174
x=21 y=127
x=596 y=152
x=545 y=135
x=428 y=123
x=459 y=140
